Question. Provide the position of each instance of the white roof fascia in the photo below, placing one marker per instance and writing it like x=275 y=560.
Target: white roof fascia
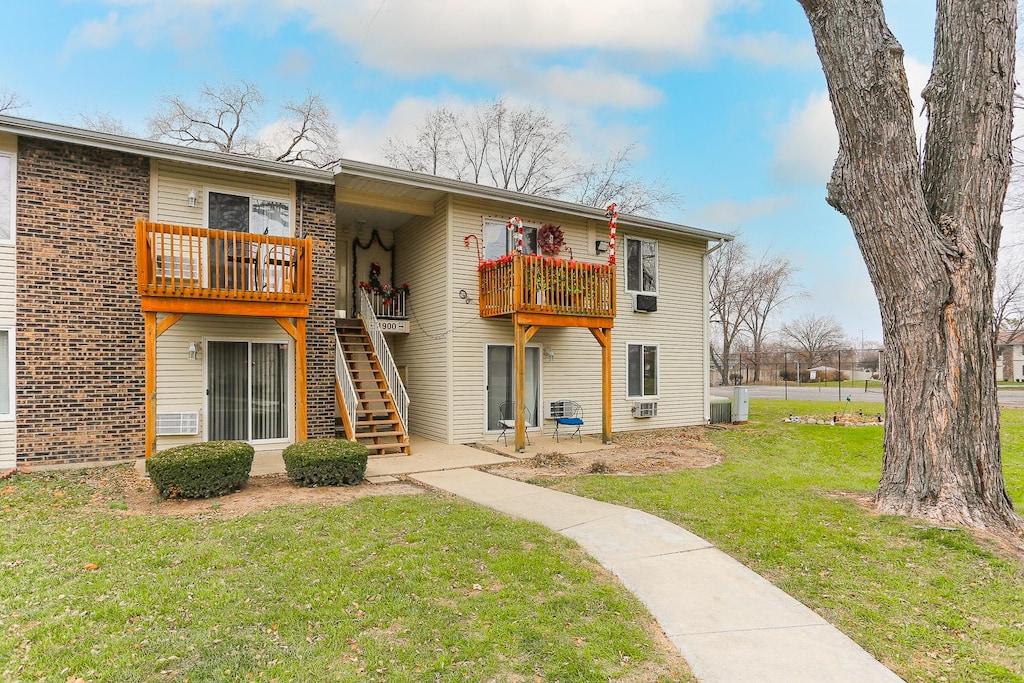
x=429 y=182
x=163 y=150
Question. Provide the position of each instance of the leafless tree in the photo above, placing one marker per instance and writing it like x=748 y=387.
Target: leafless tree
x=522 y=149
x=223 y=119
x=771 y=287
x=601 y=183
x=1008 y=301
x=928 y=225
x=308 y=136
x=104 y=122
x=434 y=149
x=730 y=294
x=10 y=101
x=814 y=337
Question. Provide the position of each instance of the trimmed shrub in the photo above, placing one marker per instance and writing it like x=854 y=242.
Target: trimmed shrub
x=326 y=462
x=201 y=470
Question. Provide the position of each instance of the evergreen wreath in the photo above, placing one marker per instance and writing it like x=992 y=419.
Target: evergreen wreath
x=550 y=239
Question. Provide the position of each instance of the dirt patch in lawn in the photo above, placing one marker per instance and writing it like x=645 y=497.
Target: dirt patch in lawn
x=124 y=489
x=635 y=454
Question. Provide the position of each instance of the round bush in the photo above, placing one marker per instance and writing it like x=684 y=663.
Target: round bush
x=326 y=462
x=201 y=470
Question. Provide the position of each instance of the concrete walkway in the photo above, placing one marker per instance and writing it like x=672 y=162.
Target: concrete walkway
x=730 y=624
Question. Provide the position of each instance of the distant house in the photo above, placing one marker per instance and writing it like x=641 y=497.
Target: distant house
x=153 y=295
x=1010 y=357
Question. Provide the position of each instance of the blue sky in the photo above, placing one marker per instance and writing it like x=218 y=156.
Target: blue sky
x=725 y=98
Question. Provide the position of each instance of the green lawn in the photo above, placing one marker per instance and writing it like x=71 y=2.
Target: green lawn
x=385 y=588
x=932 y=604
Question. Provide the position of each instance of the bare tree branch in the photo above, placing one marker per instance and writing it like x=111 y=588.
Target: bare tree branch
x=104 y=122
x=312 y=138
x=223 y=119
x=526 y=150
x=813 y=337
x=10 y=101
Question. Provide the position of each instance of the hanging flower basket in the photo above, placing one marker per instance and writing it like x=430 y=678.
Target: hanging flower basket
x=550 y=239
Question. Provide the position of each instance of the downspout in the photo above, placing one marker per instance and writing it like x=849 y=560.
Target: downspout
x=705 y=353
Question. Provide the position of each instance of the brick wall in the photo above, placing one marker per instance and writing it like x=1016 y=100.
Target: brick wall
x=316 y=207
x=80 y=344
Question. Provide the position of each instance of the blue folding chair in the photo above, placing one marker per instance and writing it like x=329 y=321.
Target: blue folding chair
x=572 y=416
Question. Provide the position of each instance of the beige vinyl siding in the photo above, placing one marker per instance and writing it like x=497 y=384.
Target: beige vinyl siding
x=173 y=181
x=575 y=373
x=677 y=327
x=180 y=381
x=8 y=428
x=575 y=370
x=421 y=260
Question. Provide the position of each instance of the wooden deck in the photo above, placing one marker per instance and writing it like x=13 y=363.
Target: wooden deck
x=185 y=269
x=536 y=292
x=551 y=291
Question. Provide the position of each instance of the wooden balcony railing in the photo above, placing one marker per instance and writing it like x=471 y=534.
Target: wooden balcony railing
x=197 y=263
x=534 y=284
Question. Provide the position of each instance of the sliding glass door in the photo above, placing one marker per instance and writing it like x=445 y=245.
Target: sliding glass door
x=501 y=383
x=247 y=391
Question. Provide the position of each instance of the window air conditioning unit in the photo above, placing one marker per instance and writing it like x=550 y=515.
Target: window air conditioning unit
x=645 y=303
x=177 y=424
x=645 y=409
x=555 y=409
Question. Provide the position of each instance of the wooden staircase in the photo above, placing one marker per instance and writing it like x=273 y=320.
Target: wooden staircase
x=377 y=426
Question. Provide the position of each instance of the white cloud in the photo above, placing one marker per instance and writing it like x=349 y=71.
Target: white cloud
x=806 y=145
x=95 y=34
x=729 y=215
x=587 y=52
x=769 y=49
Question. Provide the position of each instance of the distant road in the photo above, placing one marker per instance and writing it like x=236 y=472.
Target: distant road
x=1008 y=398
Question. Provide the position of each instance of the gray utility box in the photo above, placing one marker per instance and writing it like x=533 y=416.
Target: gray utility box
x=721 y=410
x=740 y=404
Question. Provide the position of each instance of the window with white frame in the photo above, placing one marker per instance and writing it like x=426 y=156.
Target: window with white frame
x=499 y=240
x=7 y=180
x=6 y=373
x=246 y=213
x=641 y=266
x=642 y=370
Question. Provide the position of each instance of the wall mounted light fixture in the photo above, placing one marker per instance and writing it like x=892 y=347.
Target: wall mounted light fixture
x=193 y=350
x=601 y=246
x=193 y=197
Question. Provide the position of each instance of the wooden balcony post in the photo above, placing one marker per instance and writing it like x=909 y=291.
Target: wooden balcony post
x=151 y=334
x=520 y=382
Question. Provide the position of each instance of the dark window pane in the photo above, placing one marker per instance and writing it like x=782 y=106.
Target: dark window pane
x=650 y=371
x=634 y=370
x=228 y=212
x=649 y=251
x=633 y=265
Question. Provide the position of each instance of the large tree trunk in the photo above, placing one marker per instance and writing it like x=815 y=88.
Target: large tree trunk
x=929 y=233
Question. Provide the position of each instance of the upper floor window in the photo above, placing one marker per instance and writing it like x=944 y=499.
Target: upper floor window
x=499 y=240
x=244 y=213
x=641 y=266
x=6 y=198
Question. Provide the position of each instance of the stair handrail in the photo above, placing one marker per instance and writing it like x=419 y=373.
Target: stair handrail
x=387 y=361
x=348 y=386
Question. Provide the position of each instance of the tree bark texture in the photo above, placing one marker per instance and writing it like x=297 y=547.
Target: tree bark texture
x=929 y=231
